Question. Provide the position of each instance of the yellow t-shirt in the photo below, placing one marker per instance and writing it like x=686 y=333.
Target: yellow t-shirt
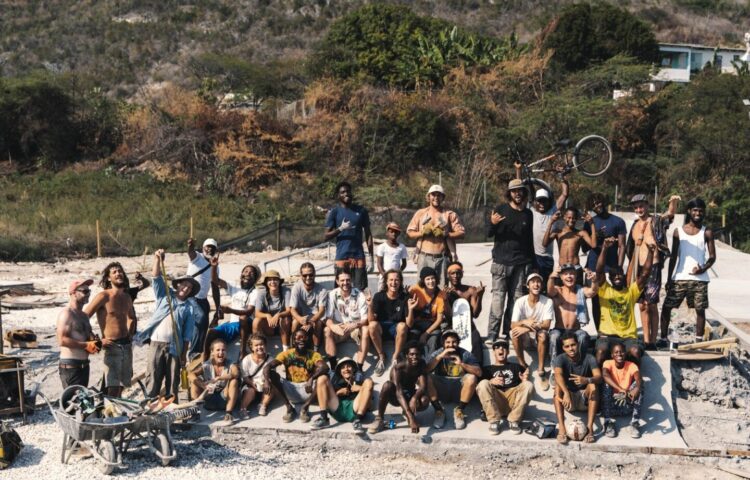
x=618 y=314
x=299 y=367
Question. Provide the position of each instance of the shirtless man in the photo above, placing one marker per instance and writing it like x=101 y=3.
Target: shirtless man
x=75 y=337
x=571 y=312
x=407 y=388
x=116 y=317
x=570 y=240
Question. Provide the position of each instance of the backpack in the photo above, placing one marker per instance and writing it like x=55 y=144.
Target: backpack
x=10 y=445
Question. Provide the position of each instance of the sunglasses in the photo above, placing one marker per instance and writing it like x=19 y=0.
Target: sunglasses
x=85 y=290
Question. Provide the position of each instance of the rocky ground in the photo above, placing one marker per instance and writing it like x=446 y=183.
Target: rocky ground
x=711 y=401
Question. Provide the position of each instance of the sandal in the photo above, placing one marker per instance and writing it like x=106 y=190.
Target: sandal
x=562 y=439
x=589 y=438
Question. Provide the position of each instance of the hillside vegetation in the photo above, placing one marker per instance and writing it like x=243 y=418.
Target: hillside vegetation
x=389 y=96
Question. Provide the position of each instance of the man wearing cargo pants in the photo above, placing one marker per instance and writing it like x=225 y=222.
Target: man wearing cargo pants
x=506 y=390
x=512 y=256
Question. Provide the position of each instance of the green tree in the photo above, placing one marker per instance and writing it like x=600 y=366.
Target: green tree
x=591 y=33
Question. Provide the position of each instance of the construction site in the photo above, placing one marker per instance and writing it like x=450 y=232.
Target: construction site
x=696 y=411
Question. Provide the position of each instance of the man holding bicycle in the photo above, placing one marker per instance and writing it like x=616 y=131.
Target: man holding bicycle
x=511 y=227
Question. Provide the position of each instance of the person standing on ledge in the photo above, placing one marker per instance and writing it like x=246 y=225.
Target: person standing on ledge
x=346 y=222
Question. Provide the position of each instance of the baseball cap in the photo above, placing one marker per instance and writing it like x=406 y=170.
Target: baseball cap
x=541 y=193
x=639 y=198
x=436 y=188
x=500 y=342
x=210 y=242
x=393 y=226
x=75 y=284
x=515 y=184
x=533 y=276
x=568 y=266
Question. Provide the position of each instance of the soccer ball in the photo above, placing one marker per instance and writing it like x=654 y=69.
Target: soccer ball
x=576 y=429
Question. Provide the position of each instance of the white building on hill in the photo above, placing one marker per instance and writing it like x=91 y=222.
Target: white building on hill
x=679 y=61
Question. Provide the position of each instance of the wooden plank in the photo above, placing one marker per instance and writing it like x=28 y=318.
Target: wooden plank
x=728 y=341
x=698 y=356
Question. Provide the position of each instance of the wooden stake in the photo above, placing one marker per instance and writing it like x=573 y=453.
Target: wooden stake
x=191 y=227
x=98 y=241
x=709 y=344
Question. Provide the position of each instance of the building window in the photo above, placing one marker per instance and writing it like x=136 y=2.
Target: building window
x=674 y=60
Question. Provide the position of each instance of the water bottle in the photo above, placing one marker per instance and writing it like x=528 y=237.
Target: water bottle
x=391 y=424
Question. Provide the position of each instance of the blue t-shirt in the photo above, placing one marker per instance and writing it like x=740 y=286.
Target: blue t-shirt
x=349 y=242
x=612 y=226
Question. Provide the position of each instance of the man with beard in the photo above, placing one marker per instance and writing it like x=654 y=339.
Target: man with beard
x=511 y=228
x=346 y=222
x=308 y=304
x=303 y=367
x=408 y=389
x=114 y=312
x=436 y=230
x=199 y=269
x=543 y=209
x=242 y=308
x=618 y=307
x=505 y=390
x=75 y=337
x=390 y=312
x=170 y=329
x=346 y=318
x=606 y=225
x=690 y=278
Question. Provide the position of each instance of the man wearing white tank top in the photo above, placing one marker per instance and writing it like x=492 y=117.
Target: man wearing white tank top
x=690 y=279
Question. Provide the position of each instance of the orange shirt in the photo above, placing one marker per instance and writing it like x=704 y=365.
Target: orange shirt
x=423 y=301
x=623 y=377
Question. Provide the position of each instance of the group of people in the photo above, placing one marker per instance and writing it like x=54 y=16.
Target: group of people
x=438 y=354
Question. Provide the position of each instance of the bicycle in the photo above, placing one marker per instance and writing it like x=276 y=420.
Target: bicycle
x=591 y=156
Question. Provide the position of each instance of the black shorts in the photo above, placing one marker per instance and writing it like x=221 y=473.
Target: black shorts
x=606 y=342
x=74 y=375
x=408 y=394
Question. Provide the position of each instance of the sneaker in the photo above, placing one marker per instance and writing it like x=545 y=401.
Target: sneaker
x=228 y=418
x=357 y=427
x=514 y=427
x=304 y=416
x=320 y=422
x=543 y=380
x=379 y=367
x=459 y=418
x=439 y=421
x=649 y=347
x=289 y=415
x=244 y=414
x=263 y=410
x=482 y=416
x=610 y=429
x=376 y=427
x=495 y=428
x=634 y=430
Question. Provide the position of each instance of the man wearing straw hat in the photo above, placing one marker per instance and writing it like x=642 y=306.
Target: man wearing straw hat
x=436 y=228
x=170 y=328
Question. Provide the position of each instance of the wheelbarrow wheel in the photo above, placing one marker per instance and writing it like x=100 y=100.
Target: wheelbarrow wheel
x=107 y=450
x=164 y=447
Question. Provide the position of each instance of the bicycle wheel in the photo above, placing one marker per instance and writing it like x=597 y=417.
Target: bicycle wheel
x=592 y=155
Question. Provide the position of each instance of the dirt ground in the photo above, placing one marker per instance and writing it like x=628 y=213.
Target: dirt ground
x=711 y=401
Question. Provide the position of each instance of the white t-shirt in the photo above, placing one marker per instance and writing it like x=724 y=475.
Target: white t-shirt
x=543 y=310
x=541 y=221
x=242 y=299
x=196 y=265
x=391 y=256
x=249 y=366
x=342 y=310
